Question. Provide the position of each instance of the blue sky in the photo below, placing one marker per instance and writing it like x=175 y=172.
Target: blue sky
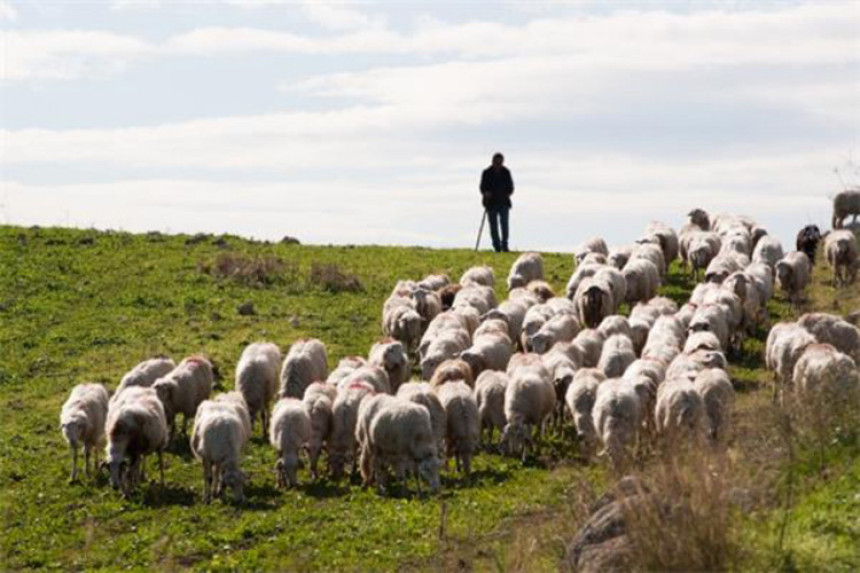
x=342 y=122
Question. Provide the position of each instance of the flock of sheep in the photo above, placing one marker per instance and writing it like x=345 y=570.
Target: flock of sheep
x=520 y=366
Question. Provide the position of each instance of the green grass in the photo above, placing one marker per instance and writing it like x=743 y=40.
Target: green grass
x=79 y=305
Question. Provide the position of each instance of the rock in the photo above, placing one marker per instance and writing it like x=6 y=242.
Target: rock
x=288 y=240
x=246 y=309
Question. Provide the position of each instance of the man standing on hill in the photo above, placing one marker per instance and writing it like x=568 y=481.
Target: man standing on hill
x=496 y=190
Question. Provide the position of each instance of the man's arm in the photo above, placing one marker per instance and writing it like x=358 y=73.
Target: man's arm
x=510 y=184
x=485 y=185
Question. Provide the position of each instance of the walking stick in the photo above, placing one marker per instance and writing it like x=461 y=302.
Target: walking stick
x=481 y=230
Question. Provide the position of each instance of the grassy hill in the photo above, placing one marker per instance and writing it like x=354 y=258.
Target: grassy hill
x=80 y=306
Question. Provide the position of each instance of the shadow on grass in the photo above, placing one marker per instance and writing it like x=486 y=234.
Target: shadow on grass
x=154 y=495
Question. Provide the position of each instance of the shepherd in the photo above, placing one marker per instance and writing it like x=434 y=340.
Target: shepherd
x=497 y=186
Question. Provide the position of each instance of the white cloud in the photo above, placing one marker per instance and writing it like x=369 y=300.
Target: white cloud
x=8 y=12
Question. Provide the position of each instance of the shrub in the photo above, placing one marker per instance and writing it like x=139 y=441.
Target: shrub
x=250 y=270
x=332 y=278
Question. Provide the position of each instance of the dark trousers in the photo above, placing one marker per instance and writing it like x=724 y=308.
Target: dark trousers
x=499 y=216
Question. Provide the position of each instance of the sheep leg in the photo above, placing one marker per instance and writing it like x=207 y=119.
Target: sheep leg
x=74 y=475
x=86 y=459
x=207 y=481
x=161 y=467
x=185 y=425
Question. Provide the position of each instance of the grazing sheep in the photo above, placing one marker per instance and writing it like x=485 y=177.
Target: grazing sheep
x=616 y=282
x=447 y=345
x=786 y=341
x=723 y=265
x=401 y=437
x=136 y=427
x=592 y=245
x=618 y=256
x=700 y=218
x=368 y=409
x=236 y=401
x=562 y=327
x=807 y=241
x=664 y=237
x=594 y=302
x=318 y=400
x=541 y=289
x=702 y=247
x=615 y=324
x=840 y=248
x=826 y=375
x=590 y=344
x=579 y=399
x=447 y=294
x=447 y=321
x=527 y=268
x=712 y=318
x=718 y=397
x=434 y=283
x=422 y=393
x=642 y=279
x=617 y=417
x=492 y=326
x=831 y=329
x=306 y=362
x=680 y=412
x=483 y=276
x=452 y=370
x=390 y=355
x=342 y=444
x=220 y=432
x=529 y=401
x=488 y=352
x=701 y=340
x=646 y=391
x=82 y=421
x=403 y=323
x=428 y=304
x=257 y=379
x=463 y=430
x=345 y=367
x=762 y=276
x=513 y=313
x=183 y=388
x=768 y=251
x=845 y=203
x=582 y=272
x=793 y=273
x=481 y=298
x=651 y=253
x=689 y=365
x=535 y=318
x=145 y=373
x=562 y=362
x=490 y=397
x=616 y=356
x=652 y=368
x=374 y=376
x=744 y=287
x=289 y=433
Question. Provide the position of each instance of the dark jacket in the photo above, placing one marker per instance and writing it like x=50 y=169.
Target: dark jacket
x=499 y=185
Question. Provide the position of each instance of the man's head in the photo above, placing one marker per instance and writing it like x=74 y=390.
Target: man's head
x=498 y=160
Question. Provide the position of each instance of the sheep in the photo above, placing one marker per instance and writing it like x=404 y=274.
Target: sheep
x=562 y=327
x=483 y=276
x=664 y=237
x=762 y=276
x=368 y=409
x=593 y=300
x=617 y=416
x=541 y=289
x=236 y=401
x=481 y=298
x=562 y=367
x=529 y=401
x=345 y=367
x=723 y=265
x=257 y=379
x=523 y=296
x=434 y=283
x=513 y=313
x=488 y=352
x=651 y=310
x=825 y=375
x=136 y=427
x=749 y=313
x=680 y=412
x=737 y=242
x=535 y=318
x=403 y=323
x=527 y=268
x=642 y=279
x=712 y=318
x=833 y=330
x=845 y=203
x=452 y=371
x=618 y=256
x=617 y=284
x=793 y=273
x=689 y=365
x=701 y=340
x=463 y=423
x=82 y=421
x=651 y=253
x=492 y=326
x=145 y=373
x=786 y=341
x=616 y=356
x=469 y=316
x=582 y=272
x=702 y=247
x=422 y=393
x=289 y=433
x=654 y=369
x=840 y=248
x=390 y=355
x=447 y=294
x=401 y=436
x=592 y=245
x=718 y=396
x=768 y=251
x=700 y=218
x=807 y=241
x=428 y=304
x=448 y=344
x=490 y=397
x=447 y=321
x=590 y=344
x=646 y=391
x=374 y=376
x=341 y=443
x=219 y=435
x=183 y=388
x=318 y=400
x=615 y=324
x=579 y=398
x=306 y=362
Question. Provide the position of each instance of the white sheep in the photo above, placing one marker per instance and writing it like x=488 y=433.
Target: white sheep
x=579 y=398
x=306 y=362
x=136 y=427
x=793 y=273
x=434 y=282
x=845 y=203
x=680 y=412
x=582 y=272
x=428 y=304
x=481 y=298
x=718 y=397
x=826 y=376
x=319 y=400
x=342 y=447
x=513 y=313
x=422 y=393
x=768 y=251
x=654 y=369
x=663 y=236
x=829 y=328
x=536 y=316
x=786 y=341
x=236 y=401
x=390 y=355
x=82 y=422
x=616 y=281
x=483 y=276
x=145 y=373
x=594 y=302
x=463 y=430
x=541 y=289
x=401 y=437
x=723 y=265
x=651 y=253
x=840 y=248
x=615 y=324
x=617 y=416
x=289 y=433
x=453 y=370
x=592 y=245
x=589 y=342
x=528 y=267
x=712 y=318
x=367 y=410
x=446 y=345
x=562 y=327
x=218 y=437
x=488 y=352
x=617 y=354
x=257 y=379
x=642 y=279
x=490 y=398
x=375 y=376
x=529 y=401
x=345 y=367
x=183 y=388
x=492 y=326
x=403 y=323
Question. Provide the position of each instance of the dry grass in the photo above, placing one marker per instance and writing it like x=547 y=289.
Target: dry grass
x=249 y=270
x=333 y=278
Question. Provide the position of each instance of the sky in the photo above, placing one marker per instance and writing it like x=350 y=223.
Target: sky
x=370 y=122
